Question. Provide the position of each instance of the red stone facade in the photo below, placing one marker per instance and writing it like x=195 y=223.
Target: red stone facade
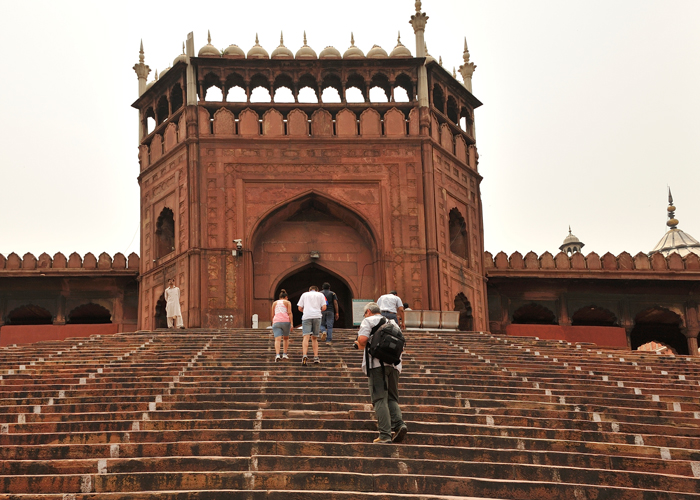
x=359 y=194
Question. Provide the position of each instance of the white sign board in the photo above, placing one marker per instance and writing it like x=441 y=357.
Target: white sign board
x=358 y=310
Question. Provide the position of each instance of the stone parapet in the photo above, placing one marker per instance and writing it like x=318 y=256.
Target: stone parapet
x=28 y=265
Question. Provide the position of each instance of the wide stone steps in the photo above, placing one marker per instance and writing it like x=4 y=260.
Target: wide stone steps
x=197 y=414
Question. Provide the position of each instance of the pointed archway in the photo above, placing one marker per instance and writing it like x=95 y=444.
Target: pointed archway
x=658 y=324
x=299 y=282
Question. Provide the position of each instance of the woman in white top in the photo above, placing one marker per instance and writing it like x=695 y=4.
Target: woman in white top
x=281 y=323
x=172 y=305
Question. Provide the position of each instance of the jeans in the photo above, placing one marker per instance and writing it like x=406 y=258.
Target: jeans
x=390 y=315
x=386 y=401
x=281 y=329
x=327 y=324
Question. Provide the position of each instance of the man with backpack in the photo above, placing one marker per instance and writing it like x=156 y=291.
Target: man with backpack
x=382 y=338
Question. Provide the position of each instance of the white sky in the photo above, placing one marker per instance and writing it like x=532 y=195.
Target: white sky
x=591 y=108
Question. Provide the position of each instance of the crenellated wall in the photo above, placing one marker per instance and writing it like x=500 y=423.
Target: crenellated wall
x=45 y=263
x=645 y=298
x=48 y=298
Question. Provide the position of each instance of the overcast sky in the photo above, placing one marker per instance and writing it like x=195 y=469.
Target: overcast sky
x=591 y=108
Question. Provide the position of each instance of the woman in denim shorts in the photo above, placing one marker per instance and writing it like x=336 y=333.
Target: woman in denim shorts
x=281 y=323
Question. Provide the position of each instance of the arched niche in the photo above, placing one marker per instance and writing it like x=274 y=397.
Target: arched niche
x=165 y=233
x=459 y=239
x=29 y=314
x=534 y=314
x=593 y=316
x=661 y=325
x=89 y=314
x=466 y=316
x=313 y=228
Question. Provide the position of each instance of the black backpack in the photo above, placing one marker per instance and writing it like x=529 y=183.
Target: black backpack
x=385 y=343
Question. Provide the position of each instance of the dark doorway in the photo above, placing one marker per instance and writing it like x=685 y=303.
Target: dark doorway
x=29 y=315
x=660 y=325
x=161 y=316
x=89 y=314
x=593 y=316
x=534 y=314
x=466 y=318
x=299 y=282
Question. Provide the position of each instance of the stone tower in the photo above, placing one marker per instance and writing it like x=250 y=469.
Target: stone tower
x=242 y=195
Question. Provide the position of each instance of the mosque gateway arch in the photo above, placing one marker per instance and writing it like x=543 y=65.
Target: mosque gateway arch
x=264 y=193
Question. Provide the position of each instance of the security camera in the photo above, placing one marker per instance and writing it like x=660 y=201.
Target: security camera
x=239 y=244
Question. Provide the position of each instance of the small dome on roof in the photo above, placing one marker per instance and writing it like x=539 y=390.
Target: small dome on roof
x=164 y=71
x=209 y=50
x=675 y=240
x=306 y=52
x=182 y=57
x=329 y=53
x=233 y=51
x=353 y=52
x=257 y=52
x=571 y=244
x=282 y=52
x=400 y=50
x=376 y=51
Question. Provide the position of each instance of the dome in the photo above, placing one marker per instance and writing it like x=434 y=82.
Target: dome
x=376 y=51
x=400 y=50
x=353 y=52
x=164 y=71
x=233 y=51
x=306 y=52
x=329 y=53
x=675 y=240
x=257 y=52
x=282 y=52
x=209 y=50
x=180 y=58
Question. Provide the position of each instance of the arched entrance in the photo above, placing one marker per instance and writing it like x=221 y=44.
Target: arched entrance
x=466 y=318
x=161 y=318
x=300 y=281
x=661 y=325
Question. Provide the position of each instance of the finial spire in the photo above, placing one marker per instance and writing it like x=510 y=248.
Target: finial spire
x=156 y=75
x=208 y=37
x=256 y=39
x=281 y=38
x=141 y=56
x=304 y=37
x=418 y=6
x=399 y=38
x=672 y=222
x=183 y=48
x=142 y=71
x=569 y=228
x=454 y=73
x=440 y=60
x=352 y=39
x=467 y=69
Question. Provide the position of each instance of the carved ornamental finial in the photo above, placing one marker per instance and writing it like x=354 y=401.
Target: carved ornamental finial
x=454 y=73
x=467 y=69
x=672 y=221
x=156 y=77
x=418 y=6
x=440 y=60
x=304 y=37
x=418 y=19
x=183 y=48
x=142 y=70
x=281 y=39
x=399 y=38
x=209 y=37
x=257 y=42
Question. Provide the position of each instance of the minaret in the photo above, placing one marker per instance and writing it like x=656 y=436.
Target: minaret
x=418 y=21
x=142 y=71
x=571 y=244
x=467 y=69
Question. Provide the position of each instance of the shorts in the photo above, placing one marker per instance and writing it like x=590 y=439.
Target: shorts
x=311 y=326
x=281 y=329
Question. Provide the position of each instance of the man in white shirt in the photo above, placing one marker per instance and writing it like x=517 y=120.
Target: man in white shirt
x=383 y=383
x=311 y=304
x=391 y=307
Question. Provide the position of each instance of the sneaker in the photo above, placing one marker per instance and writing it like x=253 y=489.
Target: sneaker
x=284 y=356
x=317 y=360
x=400 y=434
x=277 y=358
x=304 y=360
x=382 y=440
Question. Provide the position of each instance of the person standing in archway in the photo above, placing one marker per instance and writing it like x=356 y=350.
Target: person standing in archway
x=391 y=307
x=281 y=323
x=172 y=305
x=330 y=315
x=311 y=304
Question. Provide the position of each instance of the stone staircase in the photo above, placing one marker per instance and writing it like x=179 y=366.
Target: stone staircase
x=209 y=415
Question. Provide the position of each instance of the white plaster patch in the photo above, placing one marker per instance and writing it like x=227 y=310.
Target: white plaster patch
x=695 y=467
x=605 y=378
x=102 y=466
x=681 y=377
x=637 y=391
x=114 y=451
x=620 y=384
x=82 y=381
x=665 y=453
x=615 y=427
x=151 y=406
x=21 y=419
x=547 y=392
x=638 y=440
x=596 y=417
x=676 y=407
x=655 y=397
x=135 y=426
x=4 y=428
x=490 y=421
x=86 y=484
x=37 y=409
x=562 y=400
